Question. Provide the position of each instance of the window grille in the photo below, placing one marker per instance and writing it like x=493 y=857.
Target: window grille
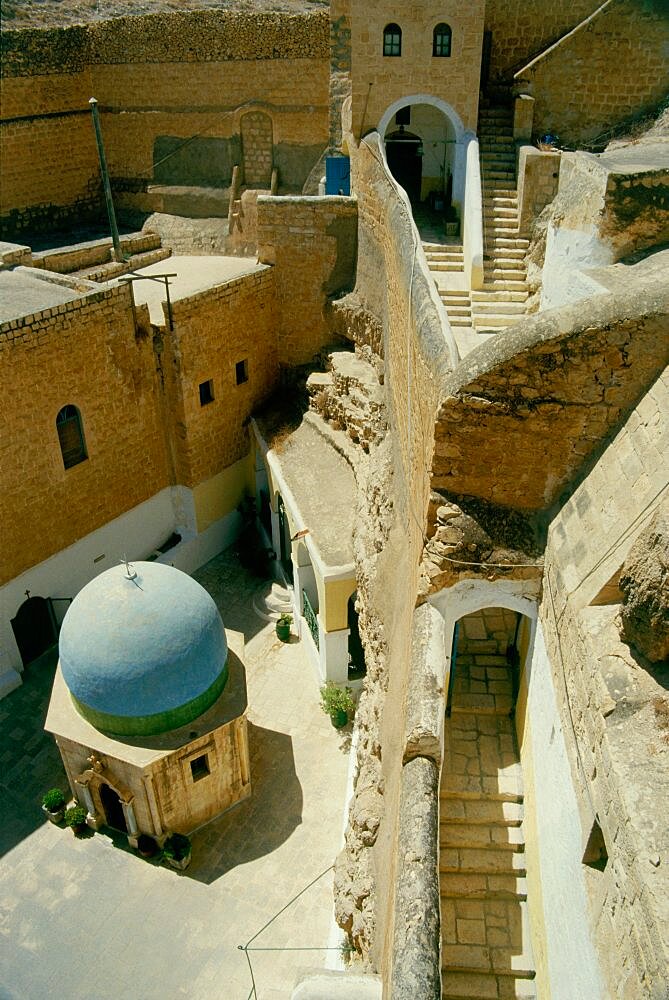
x=310 y=617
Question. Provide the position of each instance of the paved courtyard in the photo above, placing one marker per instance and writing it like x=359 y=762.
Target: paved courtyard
x=88 y=918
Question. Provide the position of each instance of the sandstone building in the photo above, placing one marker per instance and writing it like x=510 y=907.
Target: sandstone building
x=480 y=327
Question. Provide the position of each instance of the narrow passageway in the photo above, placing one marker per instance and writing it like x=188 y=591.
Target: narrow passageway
x=485 y=937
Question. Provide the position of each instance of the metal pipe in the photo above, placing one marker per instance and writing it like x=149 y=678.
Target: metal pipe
x=118 y=254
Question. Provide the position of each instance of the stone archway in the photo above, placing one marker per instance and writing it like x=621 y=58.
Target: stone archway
x=462 y=136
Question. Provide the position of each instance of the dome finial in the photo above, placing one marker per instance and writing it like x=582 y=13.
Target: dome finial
x=130 y=573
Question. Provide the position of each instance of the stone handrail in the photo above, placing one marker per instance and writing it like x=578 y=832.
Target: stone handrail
x=519 y=74
x=472 y=227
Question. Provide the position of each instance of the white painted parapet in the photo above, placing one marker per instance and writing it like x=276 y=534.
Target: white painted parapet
x=472 y=223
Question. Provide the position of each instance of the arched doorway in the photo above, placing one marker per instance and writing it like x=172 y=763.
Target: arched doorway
x=113 y=809
x=444 y=138
x=35 y=628
x=404 y=152
x=285 y=554
x=485 y=661
x=356 y=653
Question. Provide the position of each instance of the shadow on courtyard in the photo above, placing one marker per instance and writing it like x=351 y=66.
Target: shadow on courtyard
x=261 y=823
x=29 y=759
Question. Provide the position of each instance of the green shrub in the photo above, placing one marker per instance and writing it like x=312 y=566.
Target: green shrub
x=177 y=846
x=285 y=619
x=336 y=699
x=75 y=816
x=53 y=800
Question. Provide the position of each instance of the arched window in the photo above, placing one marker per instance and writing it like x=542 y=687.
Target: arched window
x=441 y=40
x=392 y=40
x=71 y=436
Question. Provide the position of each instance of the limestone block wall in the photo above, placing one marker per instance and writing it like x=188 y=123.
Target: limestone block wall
x=522 y=29
x=588 y=539
x=378 y=80
x=84 y=353
x=623 y=55
x=171 y=88
x=538 y=179
x=214 y=331
x=312 y=244
x=340 y=67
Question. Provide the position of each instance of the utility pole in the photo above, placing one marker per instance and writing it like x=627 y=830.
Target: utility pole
x=118 y=254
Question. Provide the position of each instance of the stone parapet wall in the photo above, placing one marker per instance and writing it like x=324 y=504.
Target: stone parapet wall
x=83 y=353
x=605 y=698
x=213 y=331
x=538 y=179
x=312 y=244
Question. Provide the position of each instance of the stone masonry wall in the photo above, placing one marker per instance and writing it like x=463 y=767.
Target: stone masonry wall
x=599 y=689
x=83 y=353
x=624 y=53
x=393 y=493
x=521 y=29
x=538 y=178
x=312 y=244
x=213 y=331
x=161 y=81
x=378 y=80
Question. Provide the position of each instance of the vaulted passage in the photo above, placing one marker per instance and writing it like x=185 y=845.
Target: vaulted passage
x=485 y=936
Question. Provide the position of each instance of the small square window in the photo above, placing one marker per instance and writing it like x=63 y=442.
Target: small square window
x=242 y=371
x=403 y=116
x=199 y=767
x=206 y=392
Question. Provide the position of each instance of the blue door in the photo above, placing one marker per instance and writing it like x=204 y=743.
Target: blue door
x=337 y=175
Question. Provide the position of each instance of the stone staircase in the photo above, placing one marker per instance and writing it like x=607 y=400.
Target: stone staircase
x=446 y=263
x=500 y=303
x=486 y=953
x=271 y=601
x=349 y=397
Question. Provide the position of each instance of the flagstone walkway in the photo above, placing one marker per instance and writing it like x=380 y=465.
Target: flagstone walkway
x=89 y=918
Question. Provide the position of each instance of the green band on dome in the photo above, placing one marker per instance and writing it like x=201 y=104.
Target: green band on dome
x=161 y=722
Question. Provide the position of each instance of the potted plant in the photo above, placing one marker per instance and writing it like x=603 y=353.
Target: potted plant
x=53 y=805
x=75 y=818
x=146 y=846
x=177 y=851
x=338 y=703
x=283 y=627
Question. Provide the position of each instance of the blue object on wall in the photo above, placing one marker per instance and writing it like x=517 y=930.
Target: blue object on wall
x=337 y=175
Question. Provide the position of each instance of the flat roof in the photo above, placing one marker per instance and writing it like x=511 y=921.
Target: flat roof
x=323 y=487
x=193 y=274
x=24 y=291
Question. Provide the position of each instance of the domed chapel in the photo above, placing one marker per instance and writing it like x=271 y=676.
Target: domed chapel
x=149 y=703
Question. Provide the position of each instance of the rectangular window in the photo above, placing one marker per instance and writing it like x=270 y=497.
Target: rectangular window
x=403 y=116
x=199 y=767
x=206 y=392
x=392 y=44
x=242 y=371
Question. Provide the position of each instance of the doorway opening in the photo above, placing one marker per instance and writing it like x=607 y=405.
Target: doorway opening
x=356 y=652
x=35 y=628
x=404 y=152
x=113 y=809
x=285 y=554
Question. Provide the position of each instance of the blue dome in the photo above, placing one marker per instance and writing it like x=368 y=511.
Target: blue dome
x=143 y=655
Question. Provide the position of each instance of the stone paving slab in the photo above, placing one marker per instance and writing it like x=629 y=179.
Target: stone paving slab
x=91 y=919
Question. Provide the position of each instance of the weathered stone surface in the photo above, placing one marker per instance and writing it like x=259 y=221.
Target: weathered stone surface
x=645 y=583
x=416 y=965
x=424 y=727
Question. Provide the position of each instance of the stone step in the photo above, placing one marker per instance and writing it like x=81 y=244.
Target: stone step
x=499 y=285
x=517 y=242
x=498 y=307
x=460 y=321
x=440 y=247
x=503 y=200
x=447 y=265
x=480 y=836
x=509 y=253
x=455 y=295
x=499 y=173
x=458 y=985
x=481 y=811
x=271 y=601
x=501 y=296
x=433 y=257
x=502 y=788
x=504 y=272
x=480 y=885
x=488 y=861
x=495 y=324
x=454 y=310
x=479 y=958
x=490 y=158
